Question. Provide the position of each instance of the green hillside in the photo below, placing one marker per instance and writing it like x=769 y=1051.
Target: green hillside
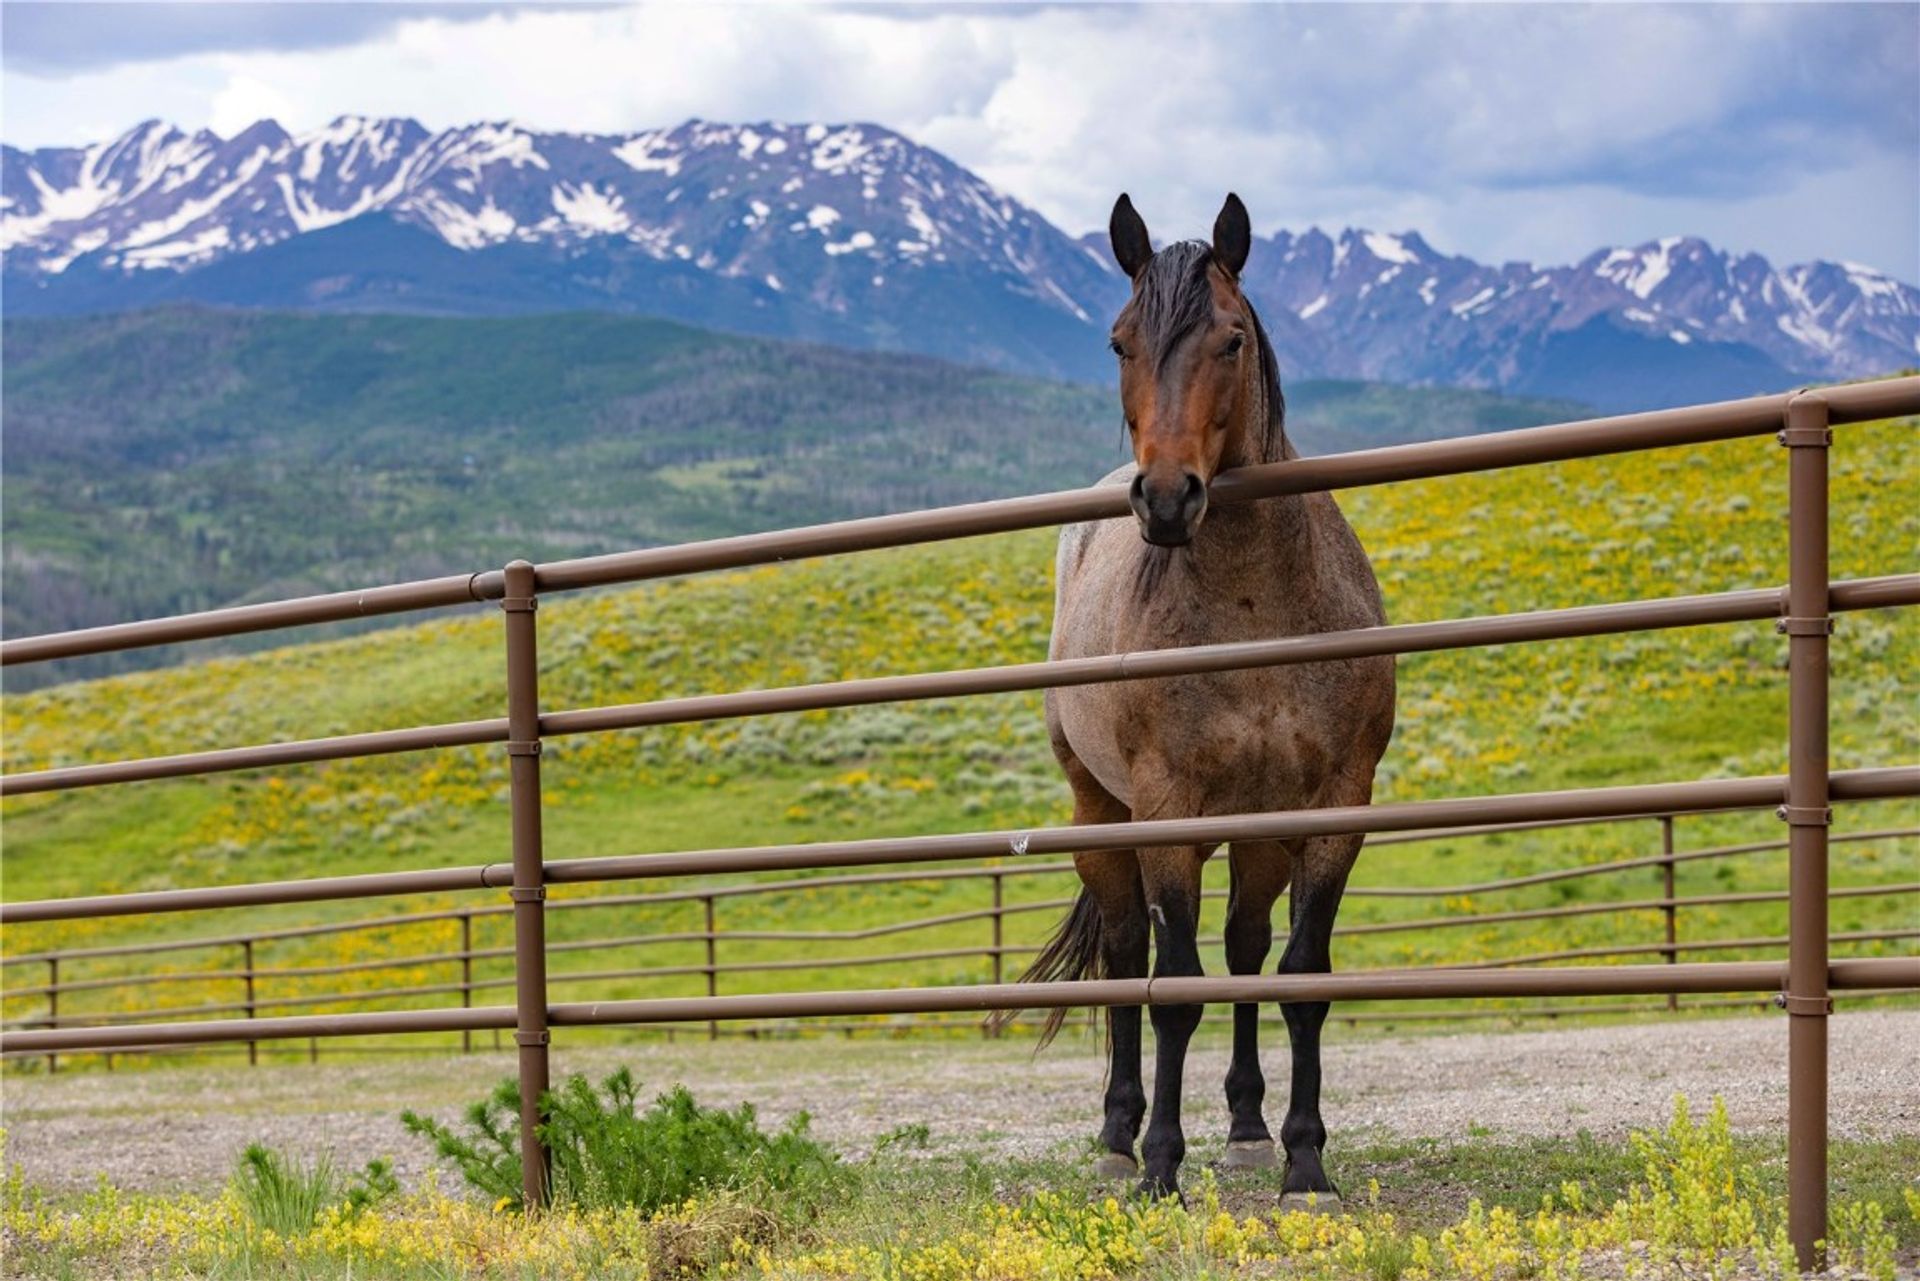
x=1670 y=706
x=174 y=460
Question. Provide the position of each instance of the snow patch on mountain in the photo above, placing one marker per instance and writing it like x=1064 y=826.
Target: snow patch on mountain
x=648 y=153
x=169 y=253
x=1389 y=248
x=590 y=209
x=852 y=244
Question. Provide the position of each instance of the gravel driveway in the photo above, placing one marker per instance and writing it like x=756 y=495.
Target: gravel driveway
x=182 y=1126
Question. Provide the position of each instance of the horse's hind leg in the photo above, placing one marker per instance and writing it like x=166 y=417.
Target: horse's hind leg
x=1259 y=871
x=1319 y=879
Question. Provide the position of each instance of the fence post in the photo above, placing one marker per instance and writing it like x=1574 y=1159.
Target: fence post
x=466 y=977
x=1671 y=909
x=529 y=890
x=994 y=1030
x=713 y=974
x=246 y=954
x=53 y=1007
x=1807 y=624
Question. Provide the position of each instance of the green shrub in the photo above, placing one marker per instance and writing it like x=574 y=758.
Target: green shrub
x=287 y=1197
x=606 y=1152
x=488 y=1155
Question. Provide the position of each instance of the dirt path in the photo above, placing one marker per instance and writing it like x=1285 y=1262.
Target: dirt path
x=183 y=1126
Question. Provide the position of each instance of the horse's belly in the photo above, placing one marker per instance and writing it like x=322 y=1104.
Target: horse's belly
x=1221 y=743
x=1194 y=745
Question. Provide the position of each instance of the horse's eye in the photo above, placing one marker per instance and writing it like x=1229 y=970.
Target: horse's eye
x=1233 y=346
x=1117 y=349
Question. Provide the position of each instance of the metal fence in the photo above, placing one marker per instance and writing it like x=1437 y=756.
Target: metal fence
x=1803 y=610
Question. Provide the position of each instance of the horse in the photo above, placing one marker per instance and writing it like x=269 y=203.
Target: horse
x=1200 y=388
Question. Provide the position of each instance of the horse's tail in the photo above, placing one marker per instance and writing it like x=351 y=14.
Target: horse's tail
x=1072 y=953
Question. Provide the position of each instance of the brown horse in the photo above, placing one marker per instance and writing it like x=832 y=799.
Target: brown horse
x=1201 y=392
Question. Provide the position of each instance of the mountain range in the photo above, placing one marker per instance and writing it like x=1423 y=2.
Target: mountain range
x=855 y=235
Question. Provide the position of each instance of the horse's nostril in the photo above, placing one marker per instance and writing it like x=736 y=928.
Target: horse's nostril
x=1139 y=487
x=1196 y=488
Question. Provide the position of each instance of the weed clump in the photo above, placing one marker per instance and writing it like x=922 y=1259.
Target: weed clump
x=283 y=1195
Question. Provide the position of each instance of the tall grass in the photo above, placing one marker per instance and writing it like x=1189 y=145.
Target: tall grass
x=286 y=1196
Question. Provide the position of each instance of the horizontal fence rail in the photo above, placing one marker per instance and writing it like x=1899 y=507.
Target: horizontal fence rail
x=1562 y=442
x=998 y=913
x=1641 y=800
x=145 y=1017
x=1803 y=796
x=755 y=889
x=1403 y=638
x=1353 y=985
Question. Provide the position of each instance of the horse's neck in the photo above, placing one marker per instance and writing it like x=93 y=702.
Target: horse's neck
x=1260 y=442
x=1263 y=537
x=1282 y=520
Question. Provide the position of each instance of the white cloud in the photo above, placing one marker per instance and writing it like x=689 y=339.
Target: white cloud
x=1537 y=131
x=243 y=100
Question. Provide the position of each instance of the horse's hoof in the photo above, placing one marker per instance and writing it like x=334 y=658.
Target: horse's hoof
x=1250 y=1154
x=1152 y=1189
x=1310 y=1203
x=1115 y=1165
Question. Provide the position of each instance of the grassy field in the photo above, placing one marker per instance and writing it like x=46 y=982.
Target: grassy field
x=1672 y=706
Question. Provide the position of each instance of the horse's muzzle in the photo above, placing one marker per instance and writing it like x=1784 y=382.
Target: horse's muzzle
x=1169 y=513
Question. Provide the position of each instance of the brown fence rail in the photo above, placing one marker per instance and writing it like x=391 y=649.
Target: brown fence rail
x=1804 y=610
x=251 y=978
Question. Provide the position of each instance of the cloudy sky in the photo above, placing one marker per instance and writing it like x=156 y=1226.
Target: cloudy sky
x=1536 y=132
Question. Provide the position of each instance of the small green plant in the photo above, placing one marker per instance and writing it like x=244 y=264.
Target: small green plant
x=287 y=1197
x=374 y=1184
x=608 y=1153
x=913 y=1135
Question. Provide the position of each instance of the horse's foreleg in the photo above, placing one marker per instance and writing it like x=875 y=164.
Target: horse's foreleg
x=1259 y=875
x=1113 y=878
x=1125 y=946
x=1170 y=878
x=1319 y=879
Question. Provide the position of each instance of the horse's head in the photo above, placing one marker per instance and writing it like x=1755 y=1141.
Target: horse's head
x=1196 y=371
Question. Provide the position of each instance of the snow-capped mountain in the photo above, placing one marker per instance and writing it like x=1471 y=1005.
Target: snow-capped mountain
x=1379 y=306
x=854 y=234
x=847 y=233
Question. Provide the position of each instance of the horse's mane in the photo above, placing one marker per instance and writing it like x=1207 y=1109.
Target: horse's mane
x=1173 y=300
x=1273 y=446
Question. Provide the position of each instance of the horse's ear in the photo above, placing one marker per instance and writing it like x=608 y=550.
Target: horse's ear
x=1128 y=231
x=1232 y=235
